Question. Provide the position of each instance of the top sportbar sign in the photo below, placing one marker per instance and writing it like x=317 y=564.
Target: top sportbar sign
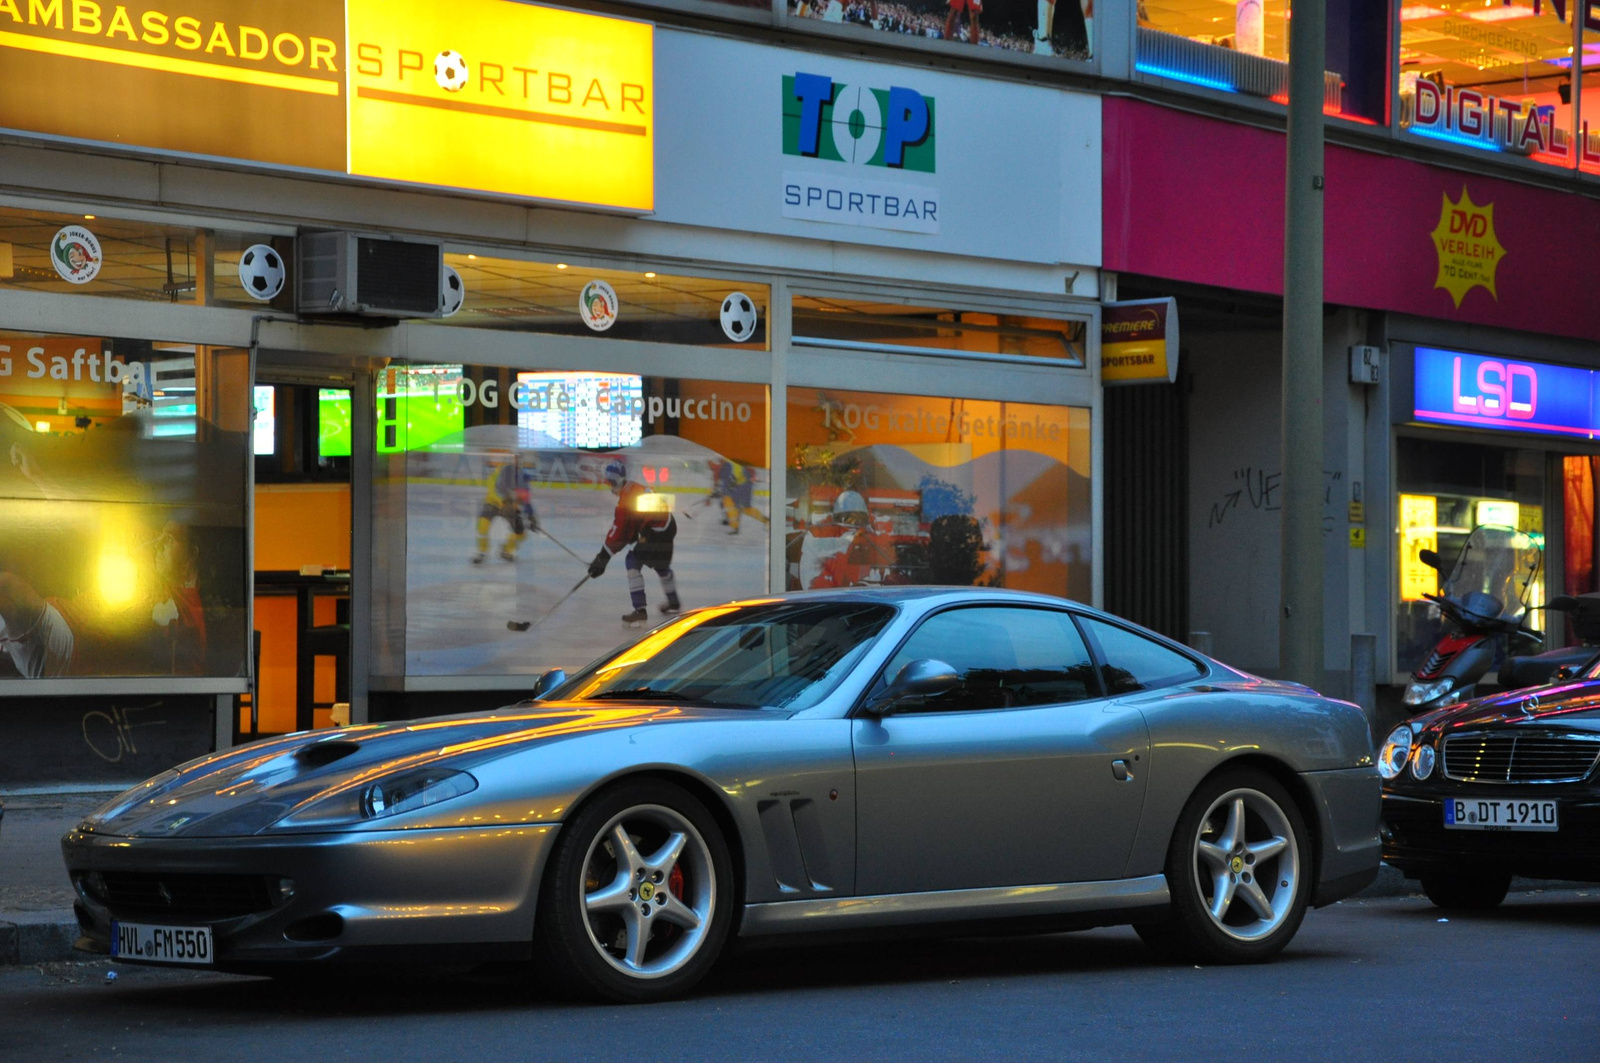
x=871 y=135
x=484 y=95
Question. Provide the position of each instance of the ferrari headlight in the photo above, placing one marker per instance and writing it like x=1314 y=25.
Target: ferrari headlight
x=1396 y=751
x=391 y=795
x=1422 y=763
x=1423 y=693
x=412 y=790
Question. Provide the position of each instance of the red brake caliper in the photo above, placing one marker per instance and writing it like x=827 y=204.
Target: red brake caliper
x=675 y=882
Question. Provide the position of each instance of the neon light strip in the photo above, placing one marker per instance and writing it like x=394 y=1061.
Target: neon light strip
x=1192 y=79
x=1501 y=422
x=1453 y=138
x=192 y=67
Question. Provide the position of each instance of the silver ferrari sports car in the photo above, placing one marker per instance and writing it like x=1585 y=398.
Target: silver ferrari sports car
x=850 y=761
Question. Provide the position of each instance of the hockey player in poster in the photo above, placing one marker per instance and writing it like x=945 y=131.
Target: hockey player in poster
x=505 y=496
x=735 y=485
x=646 y=534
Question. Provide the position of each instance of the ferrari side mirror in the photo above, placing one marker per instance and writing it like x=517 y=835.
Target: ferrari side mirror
x=918 y=679
x=548 y=682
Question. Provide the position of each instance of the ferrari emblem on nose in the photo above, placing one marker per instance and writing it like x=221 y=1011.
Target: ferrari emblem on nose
x=164 y=893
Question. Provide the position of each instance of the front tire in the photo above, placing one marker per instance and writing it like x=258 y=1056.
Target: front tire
x=638 y=898
x=1466 y=890
x=1238 y=870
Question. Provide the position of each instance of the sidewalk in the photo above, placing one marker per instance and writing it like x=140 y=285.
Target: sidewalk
x=36 y=920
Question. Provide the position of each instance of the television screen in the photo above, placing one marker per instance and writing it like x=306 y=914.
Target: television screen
x=600 y=411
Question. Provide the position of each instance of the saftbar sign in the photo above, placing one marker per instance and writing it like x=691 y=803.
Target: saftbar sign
x=862 y=136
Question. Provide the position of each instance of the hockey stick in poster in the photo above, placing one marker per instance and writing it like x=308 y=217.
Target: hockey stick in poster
x=525 y=625
x=563 y=546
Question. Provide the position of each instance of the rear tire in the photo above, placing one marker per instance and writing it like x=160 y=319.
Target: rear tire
x=638 y=897
x=1466 y=890
x=1239 y=873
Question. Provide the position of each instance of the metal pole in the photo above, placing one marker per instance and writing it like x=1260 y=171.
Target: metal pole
x=1300 y=651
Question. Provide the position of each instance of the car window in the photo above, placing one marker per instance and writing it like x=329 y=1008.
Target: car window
x=786 y=654
x=1134 y=662
x=1007 y=658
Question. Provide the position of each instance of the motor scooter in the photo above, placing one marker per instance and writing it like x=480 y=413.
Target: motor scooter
x=1554 y=666
x=1484 y=599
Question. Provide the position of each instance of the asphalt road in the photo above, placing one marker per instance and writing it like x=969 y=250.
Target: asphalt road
x=1382 y=979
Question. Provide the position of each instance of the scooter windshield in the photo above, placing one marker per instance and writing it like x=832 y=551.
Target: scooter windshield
x=1493 y=573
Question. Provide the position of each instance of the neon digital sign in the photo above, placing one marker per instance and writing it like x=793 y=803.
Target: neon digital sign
x=1506 y=394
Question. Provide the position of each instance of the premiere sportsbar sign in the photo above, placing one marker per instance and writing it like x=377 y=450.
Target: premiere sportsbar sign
x=483 y=95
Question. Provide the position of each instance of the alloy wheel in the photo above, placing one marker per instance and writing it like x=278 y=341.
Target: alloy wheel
x=1246 y=864
x=649 y=891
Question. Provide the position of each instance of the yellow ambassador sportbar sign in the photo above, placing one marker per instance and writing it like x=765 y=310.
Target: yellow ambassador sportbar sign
x=503 y=97
x=484 y=95
x=208 y=77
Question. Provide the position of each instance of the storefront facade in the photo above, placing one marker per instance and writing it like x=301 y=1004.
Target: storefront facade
x=1459 y=343
x=764 y=302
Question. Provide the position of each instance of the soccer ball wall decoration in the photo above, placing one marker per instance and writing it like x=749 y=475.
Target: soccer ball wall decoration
x=452 y=293
x=450 y=71
x=262 y=272
x=739 y=317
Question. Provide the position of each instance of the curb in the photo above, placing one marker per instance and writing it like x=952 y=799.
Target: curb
x=38 y=937
x=47 y=936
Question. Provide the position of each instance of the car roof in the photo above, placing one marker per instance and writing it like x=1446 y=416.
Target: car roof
x=896 y=595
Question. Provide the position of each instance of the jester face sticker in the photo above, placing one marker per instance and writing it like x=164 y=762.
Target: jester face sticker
x=75 y=253
x=597 y=304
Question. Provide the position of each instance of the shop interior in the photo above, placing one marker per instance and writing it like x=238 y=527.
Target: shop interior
x=301 y=639
x=1447 y=488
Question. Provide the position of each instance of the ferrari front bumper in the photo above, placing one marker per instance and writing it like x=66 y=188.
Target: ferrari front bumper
x=361 y=894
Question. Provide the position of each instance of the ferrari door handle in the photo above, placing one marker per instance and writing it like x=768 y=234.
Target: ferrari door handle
x=1120 y=772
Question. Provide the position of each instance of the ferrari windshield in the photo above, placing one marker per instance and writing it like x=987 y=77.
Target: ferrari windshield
x=784 y=654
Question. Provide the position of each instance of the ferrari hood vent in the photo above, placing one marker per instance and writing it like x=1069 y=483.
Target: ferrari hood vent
x=318 y=754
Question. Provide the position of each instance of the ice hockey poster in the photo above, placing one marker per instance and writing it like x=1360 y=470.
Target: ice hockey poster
x=551 y=516
x=899 y=489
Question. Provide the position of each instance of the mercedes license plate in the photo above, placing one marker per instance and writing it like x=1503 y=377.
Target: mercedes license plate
x=161 y=944
x=1498 y=813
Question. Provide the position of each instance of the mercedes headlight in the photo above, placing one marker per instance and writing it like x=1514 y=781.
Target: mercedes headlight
x=1422 y=763
x=1396 y=751
x=1423 y=693
x=392 y=795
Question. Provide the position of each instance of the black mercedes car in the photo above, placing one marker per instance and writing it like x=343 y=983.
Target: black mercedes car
x=1477 y=792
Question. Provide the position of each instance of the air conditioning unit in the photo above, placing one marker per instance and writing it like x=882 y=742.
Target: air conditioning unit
x=347 y=273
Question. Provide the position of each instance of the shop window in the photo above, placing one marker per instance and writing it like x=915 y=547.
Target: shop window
x=903 y=489
x=1588 y=104
x=577 y=300
x=499 y=489
x=824 y=321
x=1446 y=490
x=1034 y=27
x=84 y=253
x=1489 y=75
x=122 y=505
x=1243 y=46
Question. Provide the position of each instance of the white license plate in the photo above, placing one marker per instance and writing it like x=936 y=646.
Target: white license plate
x=1499 y=813
x=161 y=944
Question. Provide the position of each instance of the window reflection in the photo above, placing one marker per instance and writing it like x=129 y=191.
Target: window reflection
x=1493 y=75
